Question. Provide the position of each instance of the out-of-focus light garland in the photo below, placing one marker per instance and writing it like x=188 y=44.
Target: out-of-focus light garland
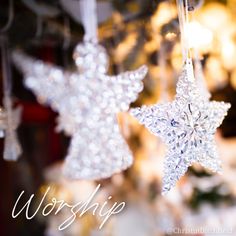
x=164 y=13
x=198 y=36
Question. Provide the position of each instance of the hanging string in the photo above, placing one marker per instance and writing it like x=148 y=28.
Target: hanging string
x=186 y=10
x=10 y=17
x=39 y=26
x=5 y=56
x=6 y=71
x=182 y=6
x=12 y=149
x=88 y=11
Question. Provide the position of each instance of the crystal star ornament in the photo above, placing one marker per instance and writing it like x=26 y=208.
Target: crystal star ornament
x=187 y=125
x=87 y=101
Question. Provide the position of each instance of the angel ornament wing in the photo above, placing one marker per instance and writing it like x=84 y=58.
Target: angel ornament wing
x=87 y=101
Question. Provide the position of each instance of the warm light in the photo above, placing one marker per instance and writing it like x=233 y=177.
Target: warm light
x=176 y=58
x=165 y=12
x=124 y=48
x=216 y=75
x=152 y=45
x=214 y=16
x=170 y=36
x=228 y=52
x=198 y=36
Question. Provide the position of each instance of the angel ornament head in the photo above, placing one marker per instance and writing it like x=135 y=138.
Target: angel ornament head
x=90 y=58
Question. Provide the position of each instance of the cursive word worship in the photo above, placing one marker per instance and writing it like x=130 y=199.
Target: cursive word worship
x=80 y=208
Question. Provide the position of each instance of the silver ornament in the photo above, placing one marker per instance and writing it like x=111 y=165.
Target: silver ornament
x=187 y=126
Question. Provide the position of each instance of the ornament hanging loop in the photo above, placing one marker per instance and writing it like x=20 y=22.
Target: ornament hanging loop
x=88 y=11
x=183 y=9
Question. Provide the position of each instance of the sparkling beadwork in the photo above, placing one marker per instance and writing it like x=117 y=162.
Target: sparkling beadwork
x=187 y=126
x=87 y=102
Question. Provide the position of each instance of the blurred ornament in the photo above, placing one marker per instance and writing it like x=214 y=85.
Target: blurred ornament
x=12 y=148
x=90 y=116
x=88 y=102
x=187 y=126
x=10 y=116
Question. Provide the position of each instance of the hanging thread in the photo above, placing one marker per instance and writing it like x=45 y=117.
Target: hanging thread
x=6 y=71
x=10 y=17
x=182 y=6
x=88 y=11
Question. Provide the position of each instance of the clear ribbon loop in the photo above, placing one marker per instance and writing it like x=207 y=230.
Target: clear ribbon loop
x=182 y=6
x=88 y=11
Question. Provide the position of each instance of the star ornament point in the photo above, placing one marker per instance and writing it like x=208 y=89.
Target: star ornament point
x=87 y=101
x=187 y=126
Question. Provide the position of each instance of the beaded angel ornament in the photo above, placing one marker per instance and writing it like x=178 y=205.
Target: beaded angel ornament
x=9 y=117
x=187 y=125
x=87 y=102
